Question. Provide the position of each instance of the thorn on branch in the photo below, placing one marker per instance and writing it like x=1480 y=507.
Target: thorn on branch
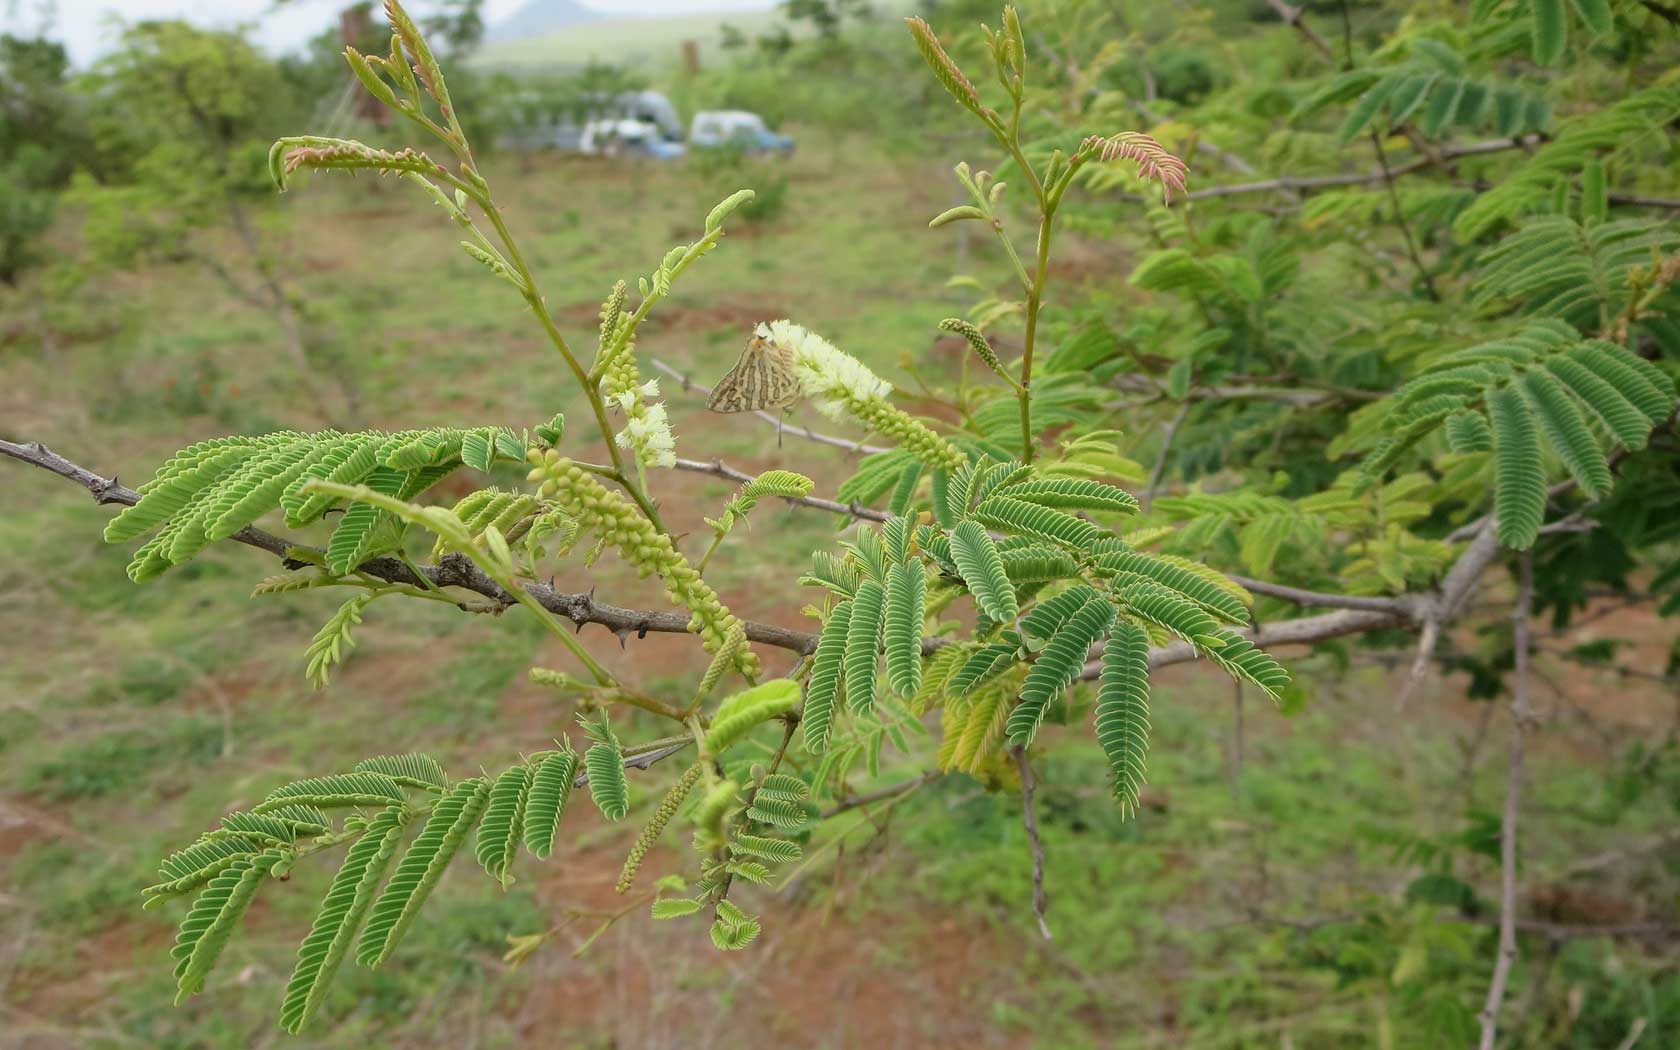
x=105 y=493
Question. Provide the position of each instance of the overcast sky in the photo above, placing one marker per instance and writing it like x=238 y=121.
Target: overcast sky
x=86 y=25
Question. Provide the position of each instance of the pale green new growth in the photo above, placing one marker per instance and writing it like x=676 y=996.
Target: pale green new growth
x=341 y=914
x=604 y=763
x=417 y=874
x=823 y=685
x=217 y=911
x=863 y=645
x=982 y=570
x=740 y=714
x=1122 y=712
x=545 y=801
x=500 y=832
x=902 y=626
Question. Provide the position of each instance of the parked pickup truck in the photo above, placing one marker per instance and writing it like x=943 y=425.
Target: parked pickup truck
x=625 y=137
x=735 y=127
x=632 y=123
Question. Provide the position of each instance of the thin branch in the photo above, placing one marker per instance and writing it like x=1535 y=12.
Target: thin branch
x=1456 y=585
x=1230 y=160
x=1428 y=639
x=1455 y=588
x=1292 y=17
x=1298 y=390
x=1559 y=931
x=1412 y=249
x=1405 y=611
x=890 y=791
x=1239 y=739
x=1634 y=1032
x=1029 y=817
x=645 y=760
x=1147 y=498
x=110 y=490
x=1296 y=183
x=1520 y=719
x=790 y=725
x=1408 y=611
x=769 y=417
x=453 y=570
x=1304 y=631
x=1321 y=598
x=719 y=469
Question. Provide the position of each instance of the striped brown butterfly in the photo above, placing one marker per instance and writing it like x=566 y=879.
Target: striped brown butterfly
x=762 y=378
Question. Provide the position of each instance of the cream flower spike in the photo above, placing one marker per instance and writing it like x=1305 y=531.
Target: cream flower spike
x=827 y=373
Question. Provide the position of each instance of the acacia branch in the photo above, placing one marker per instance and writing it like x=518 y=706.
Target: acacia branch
x=1292 y=16
x=1147 y=498
x=880 y=794
x=1226 y=157
x=453 y=570
x=1029 y=817
x=1408 y=611
x=718 y=468
x=110 y=490
x=1521 y=717
x=642 y=760
x=1412 y=249
x=1296 y=183
x=1304 y=631
x=1300 y=183
x=1455 y=589
x=1401 y=605
x=1356 y=615
x=1285 y=388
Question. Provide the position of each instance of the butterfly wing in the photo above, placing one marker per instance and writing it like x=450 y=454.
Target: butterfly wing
x=727 y=395
x=762 y=378
x=781 y=383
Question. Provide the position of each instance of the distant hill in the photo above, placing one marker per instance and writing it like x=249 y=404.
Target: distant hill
x=539 y=18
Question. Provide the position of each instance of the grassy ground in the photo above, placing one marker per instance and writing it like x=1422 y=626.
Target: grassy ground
x=132 y=716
